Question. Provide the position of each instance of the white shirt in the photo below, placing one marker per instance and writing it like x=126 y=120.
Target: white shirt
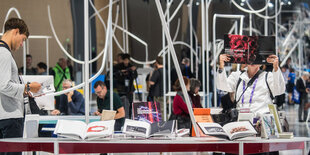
x=261 y=96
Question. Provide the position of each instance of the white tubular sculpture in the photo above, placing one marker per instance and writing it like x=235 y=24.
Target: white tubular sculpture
x=289 y=53
x=109 y=28
x=57 y=40
x=86 y=60
x=241 y=17
x=176 y=64
x=8 y=14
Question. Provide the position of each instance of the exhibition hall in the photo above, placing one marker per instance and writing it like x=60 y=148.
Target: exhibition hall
x=209 y=77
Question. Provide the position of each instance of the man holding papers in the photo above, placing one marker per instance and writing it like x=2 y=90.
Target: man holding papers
x=12 y=90
x=103 y=103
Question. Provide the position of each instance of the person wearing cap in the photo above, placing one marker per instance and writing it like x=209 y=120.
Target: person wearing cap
x=303 y=96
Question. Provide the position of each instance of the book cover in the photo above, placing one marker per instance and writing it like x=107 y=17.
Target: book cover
x=146 y=111
x=248 y=49
x=107 y=115
x=269 y=127
x=273 y=110
x=202 y=115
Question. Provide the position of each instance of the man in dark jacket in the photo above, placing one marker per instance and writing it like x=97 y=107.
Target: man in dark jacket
x=71 y=103
x=303 y=96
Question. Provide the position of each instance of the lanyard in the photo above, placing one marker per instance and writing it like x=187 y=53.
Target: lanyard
x=5 y=45
x=252 y=93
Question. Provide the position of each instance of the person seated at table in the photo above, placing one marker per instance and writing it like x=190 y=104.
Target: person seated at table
x=103 y=103
x=180 y=110
x=71 y=103
x=194 y=92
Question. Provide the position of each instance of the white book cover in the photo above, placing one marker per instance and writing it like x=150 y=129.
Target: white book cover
x=137 y=128
x=79 y=130
x=232 y=131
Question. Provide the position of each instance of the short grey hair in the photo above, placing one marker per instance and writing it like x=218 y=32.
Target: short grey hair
x=67 y=81
x=195 y=83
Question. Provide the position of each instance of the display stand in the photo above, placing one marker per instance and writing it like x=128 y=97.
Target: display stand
x=184 y=144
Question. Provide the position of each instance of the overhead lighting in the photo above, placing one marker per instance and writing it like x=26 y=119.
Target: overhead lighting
x=289 y=3
x=242 y=0
x=282 y=3
x=242 y=4
x=197 y=3
x=270 y=5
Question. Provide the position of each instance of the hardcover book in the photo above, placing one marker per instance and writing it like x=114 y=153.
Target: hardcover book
x=231 y=131
x=248 y=49
x=79 y=130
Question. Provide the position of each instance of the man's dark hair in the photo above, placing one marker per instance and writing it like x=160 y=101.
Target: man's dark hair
x=16 y=23
x=159 y=60
x=125 y=56
x=28 y=56
x=99 y=83
x=120 y=55
x=42 y=65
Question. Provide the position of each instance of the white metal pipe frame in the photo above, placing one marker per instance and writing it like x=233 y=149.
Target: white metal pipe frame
x=167 y=44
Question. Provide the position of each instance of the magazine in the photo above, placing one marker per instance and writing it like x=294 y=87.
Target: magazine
x=107 y=115
x=79 y=130
x=269 y=127
x=146 y=130
x=232 y=131
x=248 y=49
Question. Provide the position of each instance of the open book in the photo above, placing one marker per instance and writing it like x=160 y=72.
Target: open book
x=232 y=131
x=146 y=130
x=81 y=131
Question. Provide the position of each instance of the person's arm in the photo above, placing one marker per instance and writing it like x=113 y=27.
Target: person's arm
x=77 y=104
x=223 y=82
x=275 y=80
x=120 y=113
x=98 y=112
x=7 y=87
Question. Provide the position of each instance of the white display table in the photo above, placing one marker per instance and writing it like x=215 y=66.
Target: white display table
x=186 y=144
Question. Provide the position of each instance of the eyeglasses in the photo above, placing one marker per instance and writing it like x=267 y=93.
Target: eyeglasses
x=98 y=92
x=66 y=87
